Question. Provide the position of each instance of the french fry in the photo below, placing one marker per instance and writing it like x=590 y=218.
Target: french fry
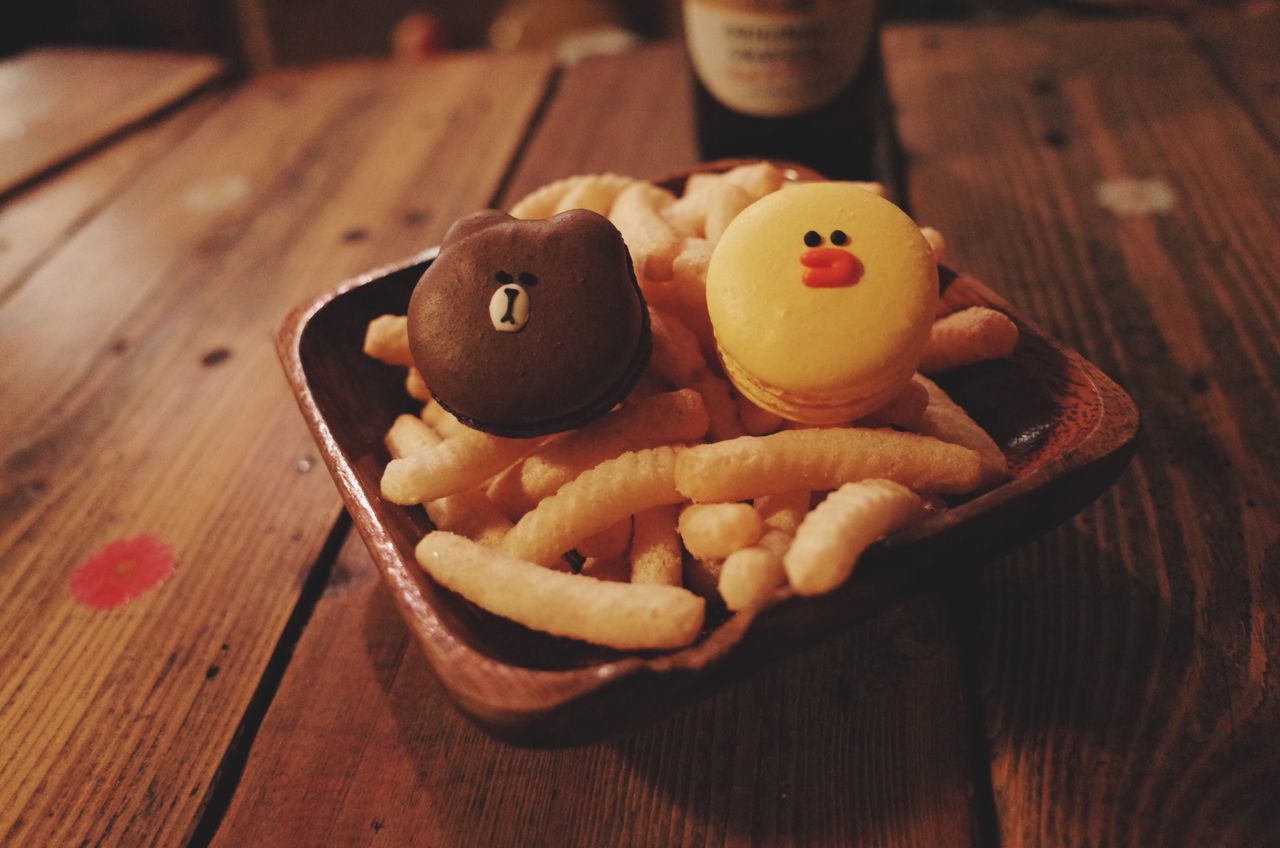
x=663 y=419
x=713 y=531
x=905 y=410
x=723 y=205
x=971 y=335
x=409 y=434
x=653 y=242
x=937 y=243
x=618 y=615
x=655 y=547
x=721 y=409
x=756 y=421
x=595 y=499
x=596 y=192
x=945 y=420
x=457 y=464
x=676 y=355
x=387 y=339
x=609 y=543
x=757 y=178
x=752 y=574
x=416 y=386
x=751 y=466
x=833 y=536
x=469 y=513
x=542 y=202
x=688 y=214
x=783 y=511
x=613 y=569
x=442 y=420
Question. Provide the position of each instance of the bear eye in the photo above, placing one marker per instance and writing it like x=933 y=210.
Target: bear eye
x=838 y=237
x=528 y=279
x=812 y=239
x=503 y=277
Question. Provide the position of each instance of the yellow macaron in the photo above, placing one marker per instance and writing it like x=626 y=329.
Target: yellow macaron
x=821 y=296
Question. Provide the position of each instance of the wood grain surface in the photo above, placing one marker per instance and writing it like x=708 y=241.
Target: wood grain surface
x=1102 y=176
x=1241 y=45
x=57 y=102
x=142 y=394
x=860 y=741
x=35 y=224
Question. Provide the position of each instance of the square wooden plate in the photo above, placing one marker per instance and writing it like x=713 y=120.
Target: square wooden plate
x=1066 y=428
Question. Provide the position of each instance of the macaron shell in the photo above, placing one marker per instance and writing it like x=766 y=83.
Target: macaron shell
x=838 y=348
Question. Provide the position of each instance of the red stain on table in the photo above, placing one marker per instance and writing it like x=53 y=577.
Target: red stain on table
x=122 y=571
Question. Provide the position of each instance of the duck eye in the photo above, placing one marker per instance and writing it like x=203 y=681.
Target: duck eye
x=812 y=239
x=838 y=237
x=503 y=277
x=528 y=279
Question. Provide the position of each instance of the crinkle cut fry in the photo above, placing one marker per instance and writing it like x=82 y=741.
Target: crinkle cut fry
x=815 y=459
x=597 y=498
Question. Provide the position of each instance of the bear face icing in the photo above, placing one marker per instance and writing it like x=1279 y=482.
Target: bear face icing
x=529 y=327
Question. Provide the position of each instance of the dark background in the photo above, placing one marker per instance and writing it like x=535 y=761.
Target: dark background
x=262 y=33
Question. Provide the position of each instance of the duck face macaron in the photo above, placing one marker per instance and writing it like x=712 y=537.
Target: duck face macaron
x=522 y=328
x=821 y=297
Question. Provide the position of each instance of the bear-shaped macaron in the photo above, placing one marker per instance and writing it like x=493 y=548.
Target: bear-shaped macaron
x=522 y=328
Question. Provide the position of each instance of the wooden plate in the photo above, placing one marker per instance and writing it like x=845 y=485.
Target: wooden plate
x=1067 y=429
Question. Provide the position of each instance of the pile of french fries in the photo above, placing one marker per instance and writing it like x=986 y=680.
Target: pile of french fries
x=619 y=532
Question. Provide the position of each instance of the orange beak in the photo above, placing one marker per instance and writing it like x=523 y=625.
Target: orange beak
x=830 y=268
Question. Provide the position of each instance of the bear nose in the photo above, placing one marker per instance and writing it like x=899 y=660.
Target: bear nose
x=509 y=308
x=830 y=267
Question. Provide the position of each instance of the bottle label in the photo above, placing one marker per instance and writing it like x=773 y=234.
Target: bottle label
x=776 y=58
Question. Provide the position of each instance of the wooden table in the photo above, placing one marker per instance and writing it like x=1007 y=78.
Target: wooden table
x=1113 y=683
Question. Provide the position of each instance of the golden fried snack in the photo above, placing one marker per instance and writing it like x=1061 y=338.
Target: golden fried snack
x=905 y=410
x=409 y=434
x=724 y=203
x=473 y=515
x=971 y=335
x=457 y=464
x=542 y=202
x=609 y=543
x=756 y=421
x=614 y=569
x=676 y=355
x=945 y=420
x=653 y=242
x=834 y=535
x=596 y=192
x=655 y=547
x=751 y=466
x=469 y=513
x=387 y=339
x=416 y=386
x=713 y=531
x=688 y=214
x=663 y=419
x=937 y=243
x=685 y=294
x=442 y=420
x=752 y=574
x=756 y=179
x=703 y=576
x=721 y=409
x=595 y=499
x=619 y=615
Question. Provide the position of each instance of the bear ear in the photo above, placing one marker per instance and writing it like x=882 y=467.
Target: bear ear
x=586 y=226
x=469 y=225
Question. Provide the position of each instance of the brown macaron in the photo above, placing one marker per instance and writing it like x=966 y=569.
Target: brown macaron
x=522 y=328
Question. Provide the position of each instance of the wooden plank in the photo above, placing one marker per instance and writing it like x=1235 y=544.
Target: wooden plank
x=1242 y=44
x=843 y=745
x=142 y=394
x=859 y=741
x=1100 y=175
x=34 y=224
x=57 y=102
x=633 y=112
